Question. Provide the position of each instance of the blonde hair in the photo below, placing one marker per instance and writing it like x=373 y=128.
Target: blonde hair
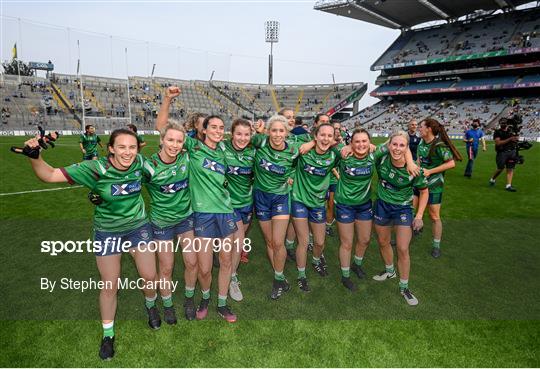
x=172 y=124
x=397 y=134
x=278 y=118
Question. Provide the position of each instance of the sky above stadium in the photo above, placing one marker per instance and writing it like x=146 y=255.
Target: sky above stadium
x=191 y=39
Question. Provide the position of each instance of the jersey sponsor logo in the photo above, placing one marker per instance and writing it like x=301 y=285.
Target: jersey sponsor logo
x=358 y=171
x=239 y=171
x=174 y=187
x=271 y=167
x=387 y=185
x=126 y=188
x=213 y=166
x=321 y=172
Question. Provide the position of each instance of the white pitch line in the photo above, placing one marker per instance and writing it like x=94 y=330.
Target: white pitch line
x=43 y=190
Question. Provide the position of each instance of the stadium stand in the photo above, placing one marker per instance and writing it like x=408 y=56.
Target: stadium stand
x=106 y=100
x=474 y=64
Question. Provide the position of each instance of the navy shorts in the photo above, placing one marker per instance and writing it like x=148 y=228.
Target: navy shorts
x=269 y=205
x=386 y=214
x=243 y=214
x=123 y=241
x=213 y=225
x=350 y=213
x=90 y=156
x=331 y=188
x=434 y=198
x=314 y=215
x=170 y=232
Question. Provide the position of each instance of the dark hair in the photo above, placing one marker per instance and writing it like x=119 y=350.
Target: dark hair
x=440 y=133
x=318 y=128
x=122 y=131
x=87 y=127
x=133 y=127
x=358 y=131
x=298 y=121
x=240 y=122
x=210 y=117
x=318 y=117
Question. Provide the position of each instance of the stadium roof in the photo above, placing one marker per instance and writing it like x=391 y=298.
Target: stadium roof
x=408 y=13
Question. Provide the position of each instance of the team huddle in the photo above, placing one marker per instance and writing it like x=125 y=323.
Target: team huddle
x=205 y=188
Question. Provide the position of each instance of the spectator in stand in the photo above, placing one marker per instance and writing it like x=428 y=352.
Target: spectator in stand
x=473 y=137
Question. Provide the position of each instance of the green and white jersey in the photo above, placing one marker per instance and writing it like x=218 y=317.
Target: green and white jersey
x=441 y=154
x=168 y=186
x=207 y=178
x=123 y=206
x=89 y=143
x=395 y=185
x=273 y=167
x=312 y=177
x=354 y=186
x=337 y=150
x=303 y=138
x=239 y=174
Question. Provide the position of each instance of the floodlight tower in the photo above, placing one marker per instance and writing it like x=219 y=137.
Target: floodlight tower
x=272 y=35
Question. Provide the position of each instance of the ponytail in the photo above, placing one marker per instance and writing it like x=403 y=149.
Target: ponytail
x=441 y=136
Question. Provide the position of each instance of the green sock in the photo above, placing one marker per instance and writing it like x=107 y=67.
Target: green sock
x=108 y=329
x=403 y=284
x=234 y=277
x=315 y=260
x=189 y=292
x=167 y=301
x=289 y=245
x=279 y=276
x=222 y=301
x=346 y=272
x=436 y=244
x=150 y=302
x=301 y=273
x=389 y=268
x=358 y=260
x=206 y=294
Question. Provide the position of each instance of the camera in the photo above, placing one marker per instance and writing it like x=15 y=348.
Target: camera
x=514 y=125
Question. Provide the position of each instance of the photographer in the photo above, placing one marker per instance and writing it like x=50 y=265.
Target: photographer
x=506 y=141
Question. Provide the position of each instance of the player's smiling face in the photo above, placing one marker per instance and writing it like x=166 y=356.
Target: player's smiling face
x=324 y=138
x=124 y=151
x=241 y=136
x=289 y=115
x=360 y=144
x=277 y=133
x=214 y=131
x=172 y=143
x=398 y=146
x=424 y=130
x=91 y=130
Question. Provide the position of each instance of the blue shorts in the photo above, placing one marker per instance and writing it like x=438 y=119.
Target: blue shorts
x=331 y=188
x=90 y=156
x=243 y=214
x=170 y=232
x=269 y=205
x=389 y=214
x=213 y=225
x=314 y=215
x=137 y=236
x=350 y=213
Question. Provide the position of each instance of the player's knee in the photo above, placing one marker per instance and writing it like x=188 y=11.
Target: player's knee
x=166 y=270
x=347 y=245
x=205 y=273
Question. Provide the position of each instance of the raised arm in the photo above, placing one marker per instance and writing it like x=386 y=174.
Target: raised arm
x=44 y=171
x=163 y=114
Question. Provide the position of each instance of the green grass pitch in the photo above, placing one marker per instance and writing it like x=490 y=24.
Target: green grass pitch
x=479 y=303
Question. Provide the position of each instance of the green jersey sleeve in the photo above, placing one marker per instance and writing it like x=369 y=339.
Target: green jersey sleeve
x=84 y=173
x=259 y=139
